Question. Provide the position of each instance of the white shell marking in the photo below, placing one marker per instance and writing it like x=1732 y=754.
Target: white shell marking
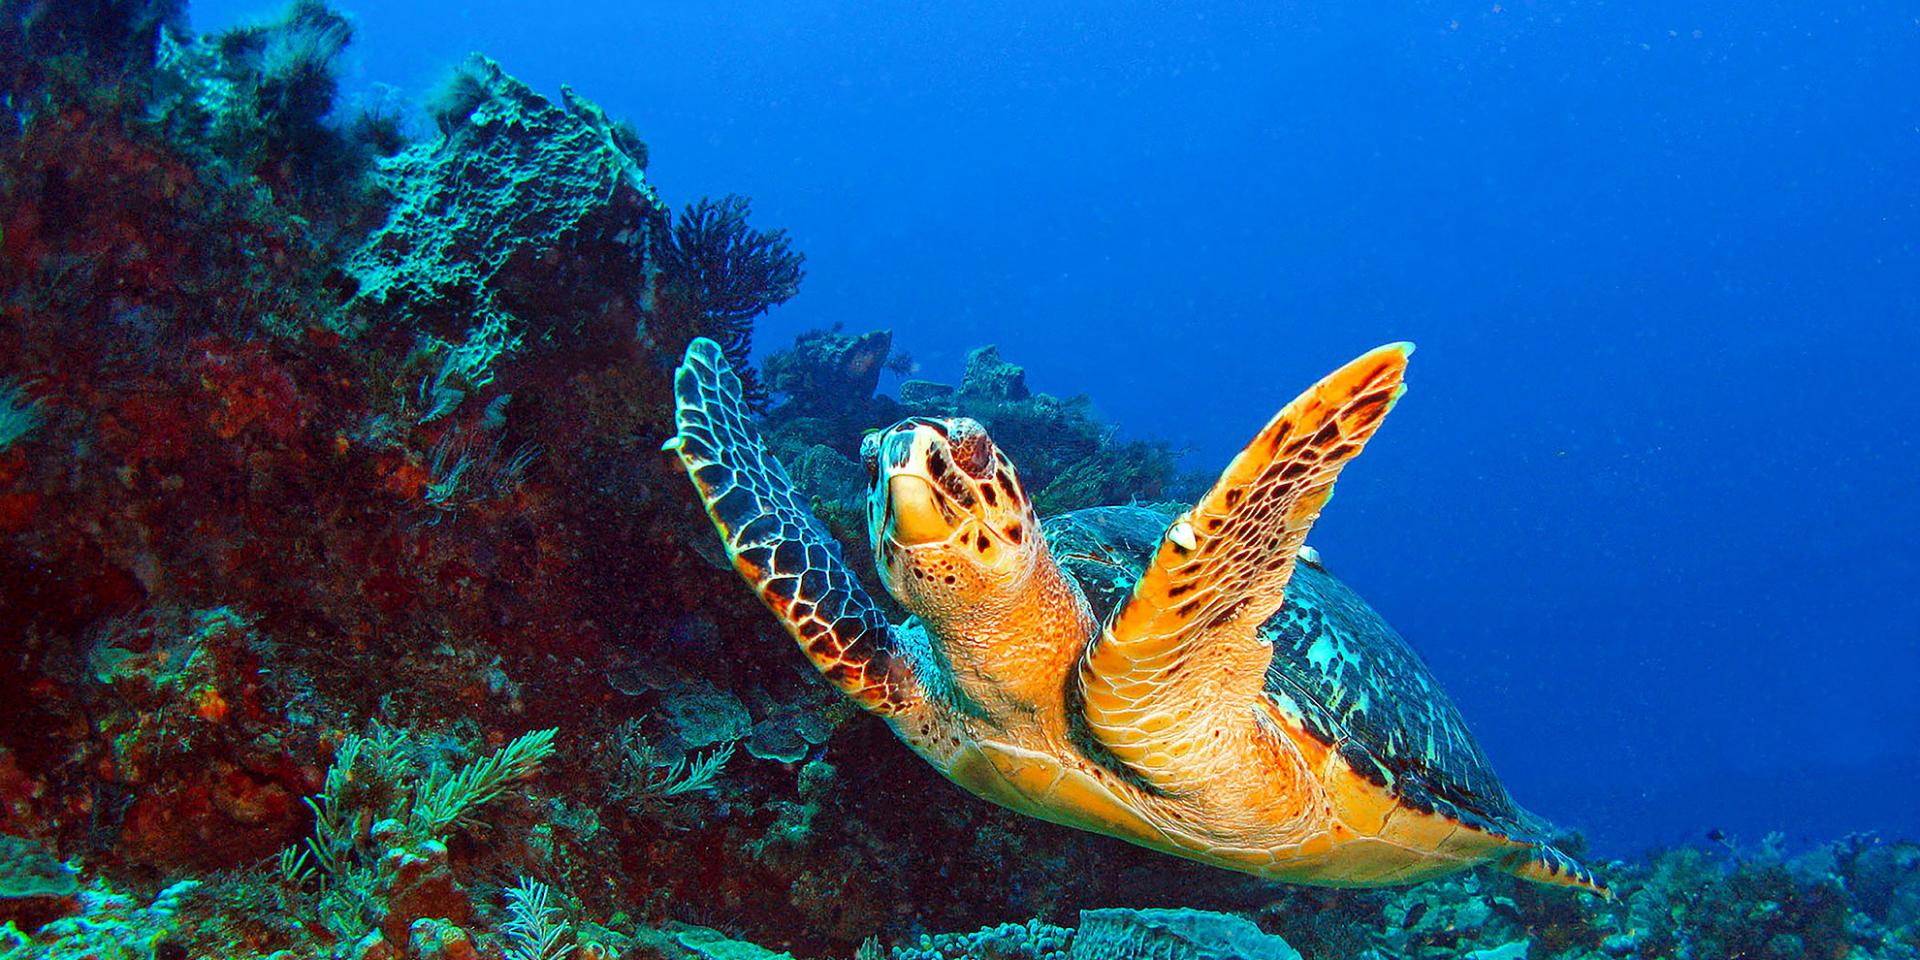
x=1182 y=535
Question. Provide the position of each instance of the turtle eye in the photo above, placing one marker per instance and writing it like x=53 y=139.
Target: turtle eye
x=972 y=448
x=870 y=456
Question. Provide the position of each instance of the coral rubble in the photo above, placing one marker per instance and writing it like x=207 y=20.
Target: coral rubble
x=350 y=610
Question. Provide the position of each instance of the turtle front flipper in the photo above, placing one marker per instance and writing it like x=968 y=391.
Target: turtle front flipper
x=782 y=550
x=1171 y=684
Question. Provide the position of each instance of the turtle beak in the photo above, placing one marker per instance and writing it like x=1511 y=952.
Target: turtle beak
x=911 y=508
x=916 y=514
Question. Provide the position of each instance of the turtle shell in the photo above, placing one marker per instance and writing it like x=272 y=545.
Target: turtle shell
x=1345 y=673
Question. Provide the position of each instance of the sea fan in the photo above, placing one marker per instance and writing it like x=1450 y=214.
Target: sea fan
x=717 y=274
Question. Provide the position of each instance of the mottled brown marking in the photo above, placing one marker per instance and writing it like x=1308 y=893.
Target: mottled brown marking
x=1279 y=437
x=1369 y=407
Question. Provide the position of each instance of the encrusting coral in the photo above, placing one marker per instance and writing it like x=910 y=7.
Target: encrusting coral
x=351 y=610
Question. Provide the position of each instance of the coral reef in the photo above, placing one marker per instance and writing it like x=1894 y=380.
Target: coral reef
x=351 y=611
x=259 y=98
x=1032 y=940
x=313 y=465
x=1067 y=455
x=825 y=383
x=526 y=229
x=1117 y=933
x=1853 y=898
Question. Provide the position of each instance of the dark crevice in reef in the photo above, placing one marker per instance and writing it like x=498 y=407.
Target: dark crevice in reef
x=330 y=484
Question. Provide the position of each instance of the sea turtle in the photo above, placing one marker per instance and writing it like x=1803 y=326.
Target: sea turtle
x=1193 y=681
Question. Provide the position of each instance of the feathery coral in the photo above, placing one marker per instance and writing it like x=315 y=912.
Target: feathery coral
x=447 y=799
x=537 y=928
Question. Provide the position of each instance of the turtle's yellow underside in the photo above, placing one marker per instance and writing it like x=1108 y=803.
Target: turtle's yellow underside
x=1353 y=833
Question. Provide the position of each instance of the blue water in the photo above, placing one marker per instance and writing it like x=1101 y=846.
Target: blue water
x=1650 y=510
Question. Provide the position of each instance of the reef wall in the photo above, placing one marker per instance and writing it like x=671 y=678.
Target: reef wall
x=349 y=608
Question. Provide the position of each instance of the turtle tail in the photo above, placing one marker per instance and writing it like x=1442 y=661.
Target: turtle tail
x=1545 y=863
x=777 y=545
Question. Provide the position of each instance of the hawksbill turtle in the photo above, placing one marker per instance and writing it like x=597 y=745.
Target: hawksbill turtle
x=1192 y=681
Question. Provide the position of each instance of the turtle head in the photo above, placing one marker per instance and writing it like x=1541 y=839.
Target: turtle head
x=952 y=528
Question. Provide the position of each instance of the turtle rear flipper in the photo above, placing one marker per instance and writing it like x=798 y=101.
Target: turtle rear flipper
x=1543 y=862
x=776 y=544
x=1171 y=683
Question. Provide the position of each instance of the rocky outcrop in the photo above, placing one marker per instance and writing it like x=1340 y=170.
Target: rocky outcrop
x=1173 y=934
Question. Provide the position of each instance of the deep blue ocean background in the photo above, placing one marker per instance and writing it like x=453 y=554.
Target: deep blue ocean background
x=1650 y=510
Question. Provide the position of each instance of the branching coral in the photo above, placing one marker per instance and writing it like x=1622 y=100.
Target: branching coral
x=717 y=274
x=735 y=272
x=371 y=796
x=446 y=799
x=647 y=778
